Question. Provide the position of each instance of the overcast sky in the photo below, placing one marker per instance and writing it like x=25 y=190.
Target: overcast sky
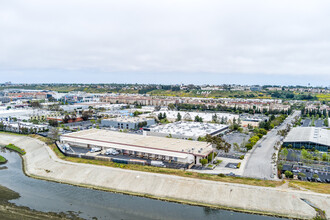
x=150 y=41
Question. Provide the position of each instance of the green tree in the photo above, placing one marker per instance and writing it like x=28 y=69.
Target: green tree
x=178 y=117
x=305 y=155
x=236 y=147
x=53 y=133
x=288 y=174
x=171 y=106
x=198 y=119
x=215 y=118
x=218 y=142
x=248 y=146
x=284 y=153
x=203 y=161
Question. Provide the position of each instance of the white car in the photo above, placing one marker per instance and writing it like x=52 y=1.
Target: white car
x=111 y=152
x=96 y=149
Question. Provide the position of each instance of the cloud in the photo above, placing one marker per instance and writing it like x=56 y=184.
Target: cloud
x=185 y=37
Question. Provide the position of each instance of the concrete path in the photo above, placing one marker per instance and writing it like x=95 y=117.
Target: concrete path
x=41 y=161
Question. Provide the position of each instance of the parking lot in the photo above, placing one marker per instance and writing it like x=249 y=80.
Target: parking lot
x=306 y=123
x=85 y=151
x=318 y=123
x=310 y=174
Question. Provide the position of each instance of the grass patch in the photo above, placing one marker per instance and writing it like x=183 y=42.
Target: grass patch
x=15 y=148
x=313 y=186
x=151 y=169
x=2 y=160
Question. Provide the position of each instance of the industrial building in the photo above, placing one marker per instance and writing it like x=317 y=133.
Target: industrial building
x=27 y=114
x=20 y=126
x=206 y=116
x=186 y=130
x=129 y=123
x=156 y=148
x=309 y=137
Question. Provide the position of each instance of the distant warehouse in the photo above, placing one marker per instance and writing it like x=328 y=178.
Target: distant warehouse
x=309 y=137
x=129 y=123
x=187 y=130
x=166 y=149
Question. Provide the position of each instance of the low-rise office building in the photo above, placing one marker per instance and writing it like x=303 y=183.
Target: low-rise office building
x=129 y=123
x=22 y=127
x=309 y=137
x=156 y=148
x=186 y=130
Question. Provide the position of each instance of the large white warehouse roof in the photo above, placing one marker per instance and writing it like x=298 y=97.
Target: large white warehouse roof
x=151 y=143
x=309 y=134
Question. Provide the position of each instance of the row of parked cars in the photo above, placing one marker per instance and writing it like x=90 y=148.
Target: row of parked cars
x=109 y=151
x=312 y=175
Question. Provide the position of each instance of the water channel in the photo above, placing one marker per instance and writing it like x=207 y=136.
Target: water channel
x=49 y=196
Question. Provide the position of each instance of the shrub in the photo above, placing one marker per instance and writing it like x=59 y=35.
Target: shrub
x=14 y=148
x=248 y=146
x=288 y=174
x=221 y=175
x=2 y=160
x=203 y=161
x=254 y=139
x=262 y=131
x=217 y=162
x=238 y=165
x=209 y=157
x=241 y=157
x=315 y=176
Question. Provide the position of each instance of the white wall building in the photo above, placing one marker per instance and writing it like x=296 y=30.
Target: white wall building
x=190 y=116
x=186 y=130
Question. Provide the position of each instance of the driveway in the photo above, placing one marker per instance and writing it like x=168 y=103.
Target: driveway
x=259 y=164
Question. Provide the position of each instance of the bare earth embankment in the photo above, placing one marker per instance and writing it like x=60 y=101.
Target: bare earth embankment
x=41 y=162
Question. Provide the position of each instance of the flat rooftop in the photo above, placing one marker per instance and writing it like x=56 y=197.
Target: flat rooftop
x=128 y=119
x=309 y=134
x=192 y=129
x=159 y=143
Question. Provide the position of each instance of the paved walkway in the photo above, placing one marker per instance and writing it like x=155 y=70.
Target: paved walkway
x=42 y=162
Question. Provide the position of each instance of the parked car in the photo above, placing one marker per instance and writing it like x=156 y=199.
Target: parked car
x=111 y=152
x=157 y=163
x=96 y=149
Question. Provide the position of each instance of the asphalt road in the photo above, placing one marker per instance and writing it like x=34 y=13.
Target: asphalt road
x=259 y=163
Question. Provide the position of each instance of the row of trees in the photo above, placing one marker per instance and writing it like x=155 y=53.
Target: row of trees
x=305 y=155
x=272 y=122
x=315 y=112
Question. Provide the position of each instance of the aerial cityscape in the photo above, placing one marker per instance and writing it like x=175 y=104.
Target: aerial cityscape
x=164 y=110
